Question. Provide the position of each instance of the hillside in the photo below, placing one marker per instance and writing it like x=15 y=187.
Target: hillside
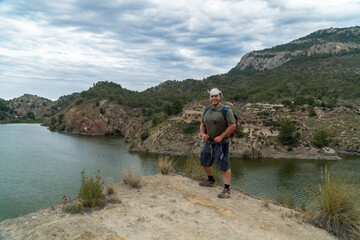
x=32 y=108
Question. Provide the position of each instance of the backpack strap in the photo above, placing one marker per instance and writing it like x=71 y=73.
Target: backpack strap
x=206 y=109
x=224 y=110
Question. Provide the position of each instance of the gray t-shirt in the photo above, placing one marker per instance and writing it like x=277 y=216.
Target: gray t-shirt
x=215 y=123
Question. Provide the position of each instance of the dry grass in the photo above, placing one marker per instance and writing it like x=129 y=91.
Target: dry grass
x=166 y=165
x=130 y=177
x=195 y=171
x=338 y=208
x=110 y=189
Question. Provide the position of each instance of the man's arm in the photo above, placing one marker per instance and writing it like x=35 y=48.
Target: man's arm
x=231 y=127
x=204 y=136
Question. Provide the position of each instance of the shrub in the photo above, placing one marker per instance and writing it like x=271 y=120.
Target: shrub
x=177 y=106
x=195 y=171
x=91 y=190
x=337 y=208
x=190 y=129
x=74 y=208
x=240 y=133
x=251 y=153
x=288 y=134
x=144 y=135
x=155 y=121
x=102 y=110
x=312 y=113
x=286 y=102
x=320 y=139
x=166 y=165
x=79 y=101
x=288 y=201
x=130 y=177
x=263 y=113
x=61 y=127
x=300 y=100
x=110 y=190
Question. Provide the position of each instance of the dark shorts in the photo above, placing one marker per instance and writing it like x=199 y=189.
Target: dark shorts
x=218 y=152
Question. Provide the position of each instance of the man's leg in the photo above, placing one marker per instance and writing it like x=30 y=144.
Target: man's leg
x=223 y=163
x=227 y=176
x=209 y=171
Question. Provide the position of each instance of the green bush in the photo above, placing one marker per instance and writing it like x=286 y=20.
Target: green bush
x=102 y=110
x=288 y=201
x=144 y=135
x=155 y=121
x=79 y=101
x=2 y=116
x=320 y=139
x=91 y=190
x=61 y=127
x=312 y=113
x=288 y=134
x=190 y=129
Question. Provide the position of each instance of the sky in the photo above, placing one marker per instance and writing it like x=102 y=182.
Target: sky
x=55 y=48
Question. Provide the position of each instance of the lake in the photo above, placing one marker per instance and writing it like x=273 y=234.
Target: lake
x=37 y=167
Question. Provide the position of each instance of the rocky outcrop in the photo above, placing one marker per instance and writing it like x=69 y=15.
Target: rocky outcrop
x=106 y=119
x=316 y=43
x=265 y=60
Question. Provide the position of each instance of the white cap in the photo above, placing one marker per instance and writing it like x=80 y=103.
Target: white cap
x=215 y=91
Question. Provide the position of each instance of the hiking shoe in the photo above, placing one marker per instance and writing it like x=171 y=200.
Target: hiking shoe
x=225 y=193
x=207 y=183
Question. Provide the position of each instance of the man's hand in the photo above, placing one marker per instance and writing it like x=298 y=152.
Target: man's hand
x=218 y=139
x=205 y=137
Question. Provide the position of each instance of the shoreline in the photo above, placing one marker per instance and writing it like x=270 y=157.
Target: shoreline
x=167 y=207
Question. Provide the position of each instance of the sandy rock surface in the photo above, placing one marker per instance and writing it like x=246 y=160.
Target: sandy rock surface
x=167 y=207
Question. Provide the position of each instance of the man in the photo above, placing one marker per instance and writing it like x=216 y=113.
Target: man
x=215 y=131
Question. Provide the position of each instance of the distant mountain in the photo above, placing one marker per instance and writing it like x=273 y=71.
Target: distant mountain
x=32 y=107
x=28 y=104
x=329 y=42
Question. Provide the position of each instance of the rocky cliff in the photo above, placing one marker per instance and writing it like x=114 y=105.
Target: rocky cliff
x=102 y=118
x=327 y=41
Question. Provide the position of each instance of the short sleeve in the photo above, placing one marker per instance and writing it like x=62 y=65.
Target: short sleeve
x=230 y=116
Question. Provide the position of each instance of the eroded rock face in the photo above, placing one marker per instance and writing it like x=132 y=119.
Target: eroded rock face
x=89 y=120
x=266 y=60
x=260 y=61
x=326 y=41
x=93 y=126
x=327 y=48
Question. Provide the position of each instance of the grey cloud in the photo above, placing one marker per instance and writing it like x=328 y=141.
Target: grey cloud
x=139 y=44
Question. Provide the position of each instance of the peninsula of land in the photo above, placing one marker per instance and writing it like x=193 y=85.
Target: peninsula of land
x=167 y=207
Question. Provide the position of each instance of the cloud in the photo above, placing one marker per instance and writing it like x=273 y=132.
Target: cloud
x=52 y=48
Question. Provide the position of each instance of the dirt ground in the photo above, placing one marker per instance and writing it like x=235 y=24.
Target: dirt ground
x=167 y=207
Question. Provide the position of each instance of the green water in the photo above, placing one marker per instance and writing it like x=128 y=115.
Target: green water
x=37 y=167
